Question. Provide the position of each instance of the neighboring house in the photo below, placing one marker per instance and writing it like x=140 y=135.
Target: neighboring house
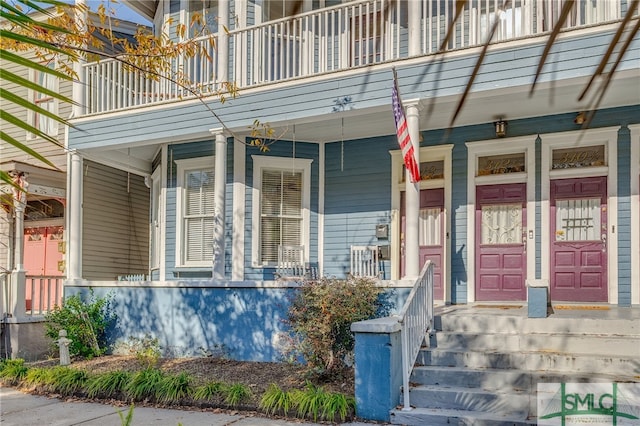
x=32 y=270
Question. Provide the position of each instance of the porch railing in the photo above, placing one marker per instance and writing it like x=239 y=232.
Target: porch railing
x=42 y=294
x=416 y=320
x=345 y=36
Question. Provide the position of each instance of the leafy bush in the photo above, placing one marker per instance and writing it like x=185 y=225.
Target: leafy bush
x=108 y=385
x=320 y=318
x=85 y=321
x=13 y=371
x=146 y=349
x=312 y=403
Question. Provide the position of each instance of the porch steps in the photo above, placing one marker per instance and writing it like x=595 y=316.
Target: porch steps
x=483 y=365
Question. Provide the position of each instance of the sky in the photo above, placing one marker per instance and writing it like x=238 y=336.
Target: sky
x=120 y=11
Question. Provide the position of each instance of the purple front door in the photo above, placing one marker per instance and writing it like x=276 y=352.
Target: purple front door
x=500 y=242
x=579 y=240
x=431 y=235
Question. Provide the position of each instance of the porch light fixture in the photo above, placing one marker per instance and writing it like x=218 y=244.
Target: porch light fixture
x=501 y=128
x=580 y=118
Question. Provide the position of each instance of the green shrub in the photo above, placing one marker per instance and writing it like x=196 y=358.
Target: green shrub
x=13 y=371
x=108 y=385
x=85 y=322
x=146 y=349
x=209 y=391
x=174 y=388
x=68 y=381
x=235 y=394
x=144 y=384
x=320 y=318
x=40 y=377
x=275 y=400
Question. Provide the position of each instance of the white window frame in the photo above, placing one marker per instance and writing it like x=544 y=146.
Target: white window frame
x=32 y=116
x=155 y=226
x=184 y=166
x=261 y=162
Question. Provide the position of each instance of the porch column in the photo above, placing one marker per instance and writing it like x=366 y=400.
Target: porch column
x=220 y=187
x=412 y=194
x=223 y=41
x=18 y=275
x=415 y=13
x=78 y=87
x=74 y=210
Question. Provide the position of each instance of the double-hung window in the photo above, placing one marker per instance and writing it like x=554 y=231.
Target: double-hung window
x=45 y=101
x=280 y=206
x=196 y=211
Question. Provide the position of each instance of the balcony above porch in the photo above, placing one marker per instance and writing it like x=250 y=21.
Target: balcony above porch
x=350 y=36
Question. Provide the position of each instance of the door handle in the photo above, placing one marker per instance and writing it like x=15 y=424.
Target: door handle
x=604 y=242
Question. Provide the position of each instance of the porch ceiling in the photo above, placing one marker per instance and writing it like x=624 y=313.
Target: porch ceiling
x=435 y=113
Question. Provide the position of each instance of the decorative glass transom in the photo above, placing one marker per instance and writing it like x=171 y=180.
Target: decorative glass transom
x=572 y=158
x=578 y=220
x=501 y=164
x=501 y=224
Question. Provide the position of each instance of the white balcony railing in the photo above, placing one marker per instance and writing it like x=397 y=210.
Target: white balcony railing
x=353 y=34
x=42 y=294
x=416 y=320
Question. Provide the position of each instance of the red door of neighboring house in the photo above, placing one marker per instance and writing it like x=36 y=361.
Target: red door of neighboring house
x=579 y=240
x=41 y=258
x=430 y=235
x=500 y=242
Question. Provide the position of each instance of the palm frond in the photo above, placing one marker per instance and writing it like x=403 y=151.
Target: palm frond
x=12 y=141
x=19 y=60
x=21 y=38
x=5 y=94
x=28 y=84
x=9 y=118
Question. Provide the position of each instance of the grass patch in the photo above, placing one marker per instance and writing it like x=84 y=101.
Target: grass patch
x=144 y=384
x=275 y=400
x=174 y=388
x=13 y=371
x=209 y=391
x=236 y=393
x=68 y=381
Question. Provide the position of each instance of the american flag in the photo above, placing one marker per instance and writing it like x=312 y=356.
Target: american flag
x=404 y=140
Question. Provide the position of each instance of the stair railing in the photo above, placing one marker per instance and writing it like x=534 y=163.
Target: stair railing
x=416 y=320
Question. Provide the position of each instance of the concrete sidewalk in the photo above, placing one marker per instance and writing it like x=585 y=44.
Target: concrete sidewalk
x=21 y=409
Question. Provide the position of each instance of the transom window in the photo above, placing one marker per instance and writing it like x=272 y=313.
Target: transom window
x=196 y=210
x=281 y=206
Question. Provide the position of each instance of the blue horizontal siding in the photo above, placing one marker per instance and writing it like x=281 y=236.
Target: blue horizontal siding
x=357 y=198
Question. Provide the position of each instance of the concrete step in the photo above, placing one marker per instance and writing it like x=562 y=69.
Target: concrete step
x=502 y=380
x=625 y=346
x=520 y=323
x=533 y=361
x=512 y=403
x=441 y=417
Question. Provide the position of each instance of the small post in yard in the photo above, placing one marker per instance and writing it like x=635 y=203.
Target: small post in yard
x=63 y=344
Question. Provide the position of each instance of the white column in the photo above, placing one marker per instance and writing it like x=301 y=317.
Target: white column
x=74 y=211
x=78 y=88
x=223 y=41
x=239 y=210
x=18 y=275
x=415 y=14
x=220 y=187
x=412 y=248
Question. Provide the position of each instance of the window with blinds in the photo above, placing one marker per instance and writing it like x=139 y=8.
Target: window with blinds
x=281 y=211
x=196 y=205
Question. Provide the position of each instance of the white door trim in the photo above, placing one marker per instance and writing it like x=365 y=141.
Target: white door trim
x=635 y=212
x=427 y=153
x=477 y=149
x=609 y=137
